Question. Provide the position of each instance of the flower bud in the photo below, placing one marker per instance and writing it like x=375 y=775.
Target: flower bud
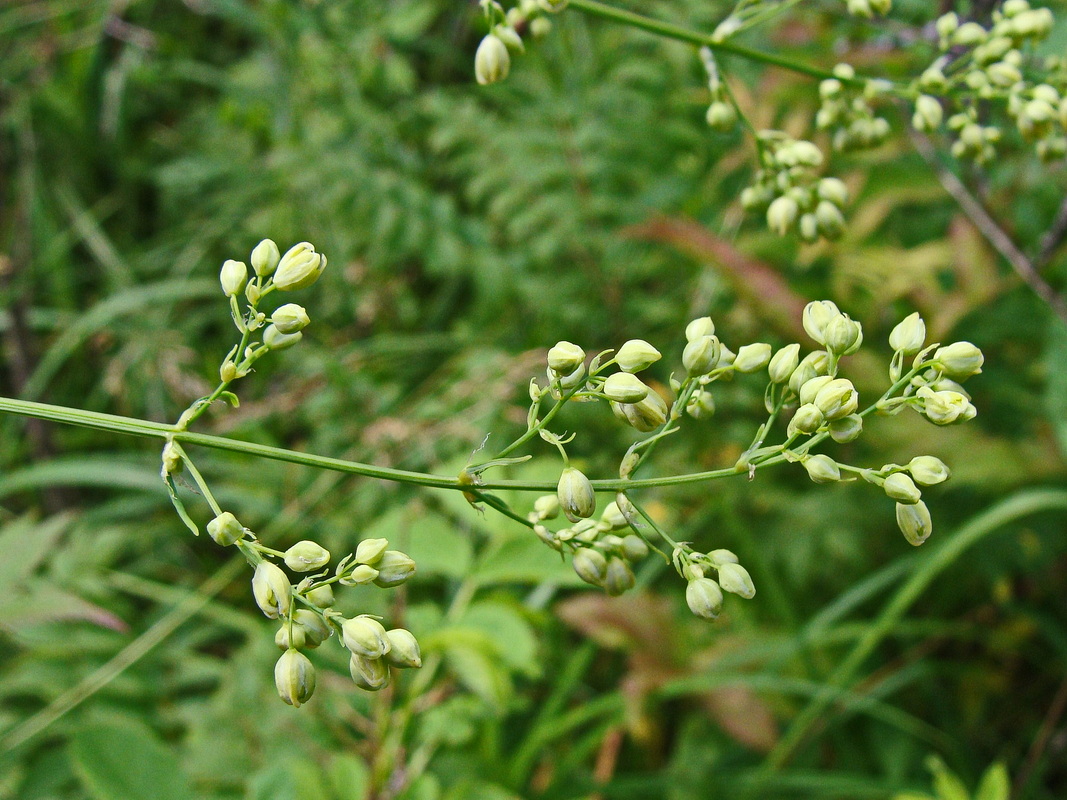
x=618 y=577
x=909 y=336
x=946 y=407
x=233 y=277
x=575 y=494
x=253 y=292
x=928 y=113
x=837 y=399
x=721 y=116
x=701 y=355
x=722 y=556
x=811 y=388
x=846 y=429
x=547 y=506
x=634 y=547
x=294 y=677
x=752 y=357
x=636 y=355
x=914 y=522
x=565 y=358
x=807 y=419
x=648 y=414
x=781 y=214
x=822 y=469
x=265 y=258
x=829 y=220
x=225 y=529
x=306 y=556
x=274 y=339
x=403 y=649
x=928 y=470
x=902 y=488
x=365 y=636
x=590 y=565
x=946 y=24
x=394 y=567
x=283 y=640
x=959 y=360
x=370 y=551
x=290 y=318
x=315 y=629
x=702 y=326
x=492 y=62
x=321 y=596
x=370 y=674
x=832 y=190
x=622 y=387
x=701 y=405
x=271 y=589
x=817 y=316
x=299 y=267
x=359 y=575
x=704 y=598
x=540 y=27
x=843 y=335
x=613 y=517
x=548 y=537
x=735 y=579
x=783 y=363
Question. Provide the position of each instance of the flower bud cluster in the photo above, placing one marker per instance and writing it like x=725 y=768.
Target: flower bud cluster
x=721 y=115
x=372 y=648
x=492 y=60
x=869 y=8
x=602 y=550
x=901 y=484
x=788 y=190
x=989 y=68
x=298 y=268
x=704 y=594
x=846 y=110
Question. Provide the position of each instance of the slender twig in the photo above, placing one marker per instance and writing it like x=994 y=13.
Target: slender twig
x=989 y=228
x=1053 y=237
x=670 y=31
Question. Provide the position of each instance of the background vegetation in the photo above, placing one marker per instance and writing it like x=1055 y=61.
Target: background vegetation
x=469 y=228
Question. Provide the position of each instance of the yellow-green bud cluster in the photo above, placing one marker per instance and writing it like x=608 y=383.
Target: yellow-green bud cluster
x=869 y=8
x=992 y=71
x=704 y=594
x=306 y=609
x=492 y=60
x=790 y=193
x=846 y=109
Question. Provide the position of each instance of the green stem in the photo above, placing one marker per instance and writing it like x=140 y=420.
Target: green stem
x=156 y=430
x=200 y=482
x=540 y=424
x=670 y=31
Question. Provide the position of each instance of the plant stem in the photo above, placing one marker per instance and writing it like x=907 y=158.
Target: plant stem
x=156 y=430
x=670 y=31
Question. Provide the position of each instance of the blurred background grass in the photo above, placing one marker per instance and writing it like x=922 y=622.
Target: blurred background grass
x=141 y=143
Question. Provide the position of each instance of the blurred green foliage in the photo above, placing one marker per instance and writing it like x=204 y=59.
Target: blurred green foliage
x=468 y=228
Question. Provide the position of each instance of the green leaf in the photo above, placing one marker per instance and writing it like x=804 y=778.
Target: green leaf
x=523 y=558
x=995 y=784
x=127 y=761
x=510 y=632
x=292 y=779
x=1056 y=386
x=349 y=778
x=179 y=506
x=437 y=547
x=479 y=790
x=31 y=541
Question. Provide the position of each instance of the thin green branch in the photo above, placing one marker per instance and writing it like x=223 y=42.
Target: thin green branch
x=670 y=31
x=155 y=430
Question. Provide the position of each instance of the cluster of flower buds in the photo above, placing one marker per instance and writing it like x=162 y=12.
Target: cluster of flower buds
x=492 y=60
x=901 y=484
x=306 y=611
x=788 y=189
x=298 y=268
x=869 y=8
x=992 y=67
x=846 y=111
x=704 y=594
x=602 y=551
x=721 y=116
